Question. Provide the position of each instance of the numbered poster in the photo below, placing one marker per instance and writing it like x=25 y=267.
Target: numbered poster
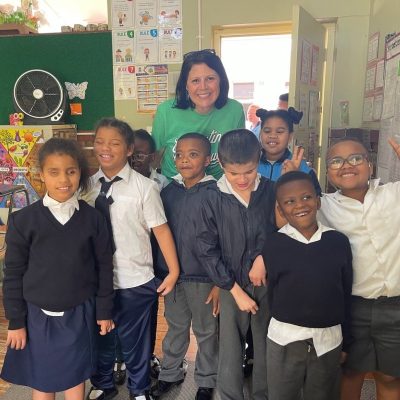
x=146 y=13
x=170 y=12
x=123 y=46
x=122 y=14
x=147 y=46
x=170 y=45
x=124 y=82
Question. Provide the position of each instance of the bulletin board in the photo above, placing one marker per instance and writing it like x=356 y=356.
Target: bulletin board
x=70 y=57
x=388 y=162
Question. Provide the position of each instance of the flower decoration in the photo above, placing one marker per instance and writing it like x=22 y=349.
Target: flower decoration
x=28 y=14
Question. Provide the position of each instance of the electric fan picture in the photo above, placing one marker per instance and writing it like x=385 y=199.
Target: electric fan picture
x=39 y=95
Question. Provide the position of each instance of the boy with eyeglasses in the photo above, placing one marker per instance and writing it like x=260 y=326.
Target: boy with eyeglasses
x=143 y=157
x=368 y=214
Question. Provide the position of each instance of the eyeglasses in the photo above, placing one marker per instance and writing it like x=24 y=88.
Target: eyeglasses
x=198 y=53
x=140 y=157
x=353 y=160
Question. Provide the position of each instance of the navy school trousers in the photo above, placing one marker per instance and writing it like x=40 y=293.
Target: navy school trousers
x=132 y=317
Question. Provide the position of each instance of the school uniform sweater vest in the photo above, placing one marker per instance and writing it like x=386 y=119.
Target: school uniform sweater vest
x=309 y=284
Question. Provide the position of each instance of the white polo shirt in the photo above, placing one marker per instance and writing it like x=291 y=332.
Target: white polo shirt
x=373 y=228
x=137 y=208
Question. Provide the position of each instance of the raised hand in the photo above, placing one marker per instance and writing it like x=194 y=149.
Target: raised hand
x=294 y=163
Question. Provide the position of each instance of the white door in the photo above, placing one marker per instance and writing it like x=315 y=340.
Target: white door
x=306 y=80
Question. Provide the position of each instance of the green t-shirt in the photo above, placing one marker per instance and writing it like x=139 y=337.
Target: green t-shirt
x=171 y=123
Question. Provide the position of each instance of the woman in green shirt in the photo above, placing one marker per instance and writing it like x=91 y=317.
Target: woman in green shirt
x=201 y=105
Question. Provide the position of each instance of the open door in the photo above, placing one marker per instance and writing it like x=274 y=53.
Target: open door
x=306 y=81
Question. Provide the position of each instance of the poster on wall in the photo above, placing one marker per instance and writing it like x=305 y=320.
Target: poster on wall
x=122 y=14
x=152 y=86
x=170 y=45
x=305 y=66
x=19 y=161
x=124 y=82
x=373 y=47
x=314 y=65
x=146 y=13
x=147 y=46
x=170 y=12
x=123 y=46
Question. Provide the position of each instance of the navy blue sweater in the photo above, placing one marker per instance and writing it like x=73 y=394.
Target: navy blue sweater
x=310 y=284
x=55 y=266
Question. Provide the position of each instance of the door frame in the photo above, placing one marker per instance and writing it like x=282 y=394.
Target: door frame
x=285 y=27
x=224 y=31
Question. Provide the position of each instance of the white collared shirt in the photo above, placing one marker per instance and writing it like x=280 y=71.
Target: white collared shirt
x=62 y=211
x=178 y=178
x=373 y=228
x=283 y=333
x=225 y=187
x=137 y=208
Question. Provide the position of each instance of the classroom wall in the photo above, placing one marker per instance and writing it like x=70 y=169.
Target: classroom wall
x=351 y=42
x=384 y=18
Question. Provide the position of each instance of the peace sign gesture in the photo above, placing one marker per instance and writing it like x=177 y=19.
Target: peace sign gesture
x=395 y=145
x=294 y=163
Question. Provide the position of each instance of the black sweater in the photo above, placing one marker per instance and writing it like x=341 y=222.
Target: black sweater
x=230 y=236
x=182 y=209
x=55 y=266
x=310 y=284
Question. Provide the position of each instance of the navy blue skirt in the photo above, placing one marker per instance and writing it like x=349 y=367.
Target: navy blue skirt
x=60 y=351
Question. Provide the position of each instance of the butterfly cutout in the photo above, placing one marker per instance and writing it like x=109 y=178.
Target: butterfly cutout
x=76 y=89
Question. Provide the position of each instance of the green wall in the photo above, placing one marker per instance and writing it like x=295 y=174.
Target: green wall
x=71 y=57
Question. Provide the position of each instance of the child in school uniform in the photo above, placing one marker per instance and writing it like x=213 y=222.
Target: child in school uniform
x=309 y=270
x=134 y=211
x=368 y=214
x=141 y=160
x=235 y=218
x=194 y=302
x=57 y=280
x=143 y=157
x=275 y=134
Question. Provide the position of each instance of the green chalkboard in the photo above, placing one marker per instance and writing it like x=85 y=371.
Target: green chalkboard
x=70 y=57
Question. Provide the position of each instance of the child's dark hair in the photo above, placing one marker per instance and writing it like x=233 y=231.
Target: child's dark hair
x=121 y=126
x=349 y=139
x=142 y=134
x=239 y=146
x=290 y=116
x=292 y=176
x=70 y=148
x=284 y=97
x=201 y=138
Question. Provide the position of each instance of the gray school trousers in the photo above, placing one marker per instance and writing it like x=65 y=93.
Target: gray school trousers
x=233 y=328
x=295 y=372
x=185 y=306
